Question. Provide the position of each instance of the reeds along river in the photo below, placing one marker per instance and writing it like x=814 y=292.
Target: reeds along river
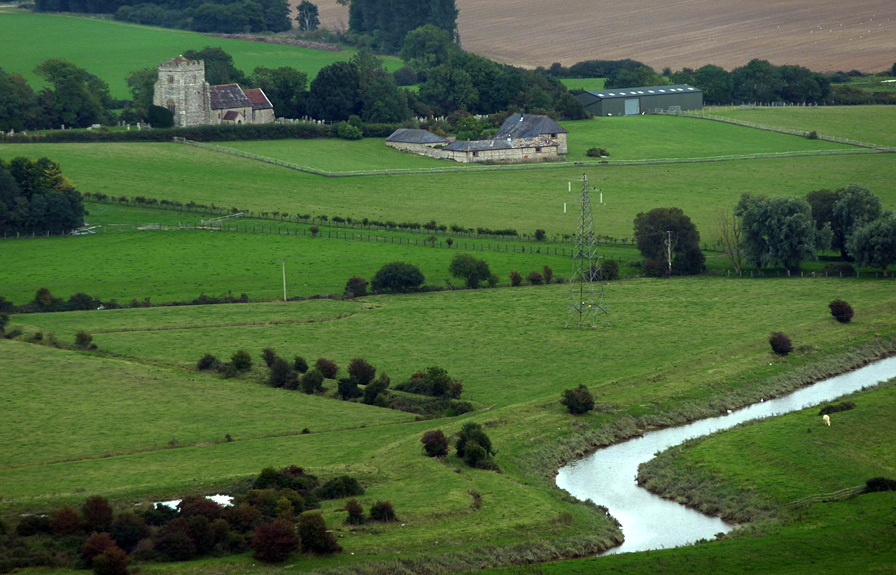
x=607 y=477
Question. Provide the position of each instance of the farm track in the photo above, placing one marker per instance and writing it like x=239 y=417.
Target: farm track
x=823 y=36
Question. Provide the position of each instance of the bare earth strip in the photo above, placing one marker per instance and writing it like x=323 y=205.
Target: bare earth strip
x=823 y=35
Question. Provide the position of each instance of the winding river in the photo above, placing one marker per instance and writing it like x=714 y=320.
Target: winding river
x=607 y=477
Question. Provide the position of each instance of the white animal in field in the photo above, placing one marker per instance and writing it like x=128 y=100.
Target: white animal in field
x=827 y=419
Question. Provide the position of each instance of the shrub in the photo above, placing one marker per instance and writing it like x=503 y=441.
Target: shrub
x=348 y=388
x=397 y=277
x=535 y=278
x=83 y=339
x=299 y=364
x=273 y=542
x=540 y=235
x=312 y=381
x=197 y=505
x=435 y=443
x=362 y=371
x=339 y=488
x=314 y=231
x=348 y=132
x=780 y=343
x=32 y=525
x=578 y=400
x=280 y=372
x=842 y=406
x=813 y=135
x=472 y=432
x=97 y=513
x=597 y=152
x=113 y=561
x=268 y=355
x=609 y=270
x=95 y=545
x=314 y=535
x=493 y=280
x=472 y=270
x=382 y=511
x=128 y=529
x=433 y=382
x=328 y=368
x=841 y=310
x=65 y=521
x=355 y=287
x=474 y=454
x=515 y=278
x=174 y=542
x=376 y=388
x=4 y=321
x=355 y=512
x=881 y=484
x=241 y=360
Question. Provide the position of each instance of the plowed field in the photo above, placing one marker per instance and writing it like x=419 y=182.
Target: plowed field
x=824 y=35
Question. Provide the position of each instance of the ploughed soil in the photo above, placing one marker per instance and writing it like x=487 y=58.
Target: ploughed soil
x=823 y=35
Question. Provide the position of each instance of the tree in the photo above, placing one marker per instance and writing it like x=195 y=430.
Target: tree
x=822 y=204
x=19 y=109
x=78 y=98
x=241 y=360
x=362 y=371
x=334 y=92
x=219 y=67
x=855 y=207
x=97 y=513
x=285 y=87
x=435 y=443
x=307 y=16
x=874 y=244
x=428 y=46
x=355 y=512
x=397 y=277
x=715 y=83
x=730 y=232
x=470 y=269
x=355 y=287
x=654 y=229
x=141 y=84
x=803 y=85
x=273 y=542
x=113 y=561
x=578 y=400
x=472 y=432
x=778 y=231
x=448 y=88
x=314 y=535
x=758 y=81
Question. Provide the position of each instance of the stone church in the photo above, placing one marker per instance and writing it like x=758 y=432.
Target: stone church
x=182 y=89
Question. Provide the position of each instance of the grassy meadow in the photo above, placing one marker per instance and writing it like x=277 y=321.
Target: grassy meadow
x=584 y=83
x=135 y=421
x=111 y=49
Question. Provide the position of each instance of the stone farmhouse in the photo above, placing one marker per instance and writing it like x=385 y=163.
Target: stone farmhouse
x=182 y=88
x=522 y=138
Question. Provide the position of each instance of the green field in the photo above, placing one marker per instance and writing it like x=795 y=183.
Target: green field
x=135 y=421
x=111 y=49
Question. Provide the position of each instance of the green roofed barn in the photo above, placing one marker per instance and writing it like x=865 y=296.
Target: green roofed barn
x=634 y=101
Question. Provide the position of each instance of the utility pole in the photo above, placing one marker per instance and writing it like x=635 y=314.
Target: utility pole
x=284 y=279
x=586 y=292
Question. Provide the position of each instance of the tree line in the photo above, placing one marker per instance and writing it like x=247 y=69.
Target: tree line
x=757 y=81
x=36 y=197
x=227 y=16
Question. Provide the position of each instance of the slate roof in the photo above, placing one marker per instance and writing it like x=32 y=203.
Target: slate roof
x=228 y=96
x=528 y=126
x=607 y=94
x=413 y=136
x=258 y=99
x=231 y=116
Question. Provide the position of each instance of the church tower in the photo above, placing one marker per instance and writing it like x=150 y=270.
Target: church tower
x=182 y=89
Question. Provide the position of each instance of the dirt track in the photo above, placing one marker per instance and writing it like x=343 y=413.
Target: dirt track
x=824 y=35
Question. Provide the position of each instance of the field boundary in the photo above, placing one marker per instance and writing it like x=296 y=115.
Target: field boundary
x=835 y=496
x=802 y=133
x=861 y=149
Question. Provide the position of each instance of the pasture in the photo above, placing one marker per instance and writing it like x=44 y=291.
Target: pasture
x=111 y=49
x=135 y=421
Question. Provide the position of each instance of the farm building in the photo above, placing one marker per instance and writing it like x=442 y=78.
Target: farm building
x=633 y=101
x=507 y=151
x=416 y=141
x=182 y=89
x=522 y=138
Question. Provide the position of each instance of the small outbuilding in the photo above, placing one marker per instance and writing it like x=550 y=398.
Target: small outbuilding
x=634 y=101
x=503 y=151
x=526 y=129
x=415 y=140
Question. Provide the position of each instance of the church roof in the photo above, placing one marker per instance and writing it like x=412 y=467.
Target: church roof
x=528 y=126
x=258 y=99
x=228 y=96
x=413 y=136
x=231 y=115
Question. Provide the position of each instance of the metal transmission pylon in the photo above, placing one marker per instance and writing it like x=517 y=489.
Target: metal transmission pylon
x=586 y=292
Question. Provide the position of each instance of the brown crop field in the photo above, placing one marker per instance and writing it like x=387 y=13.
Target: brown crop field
x=824 y=36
